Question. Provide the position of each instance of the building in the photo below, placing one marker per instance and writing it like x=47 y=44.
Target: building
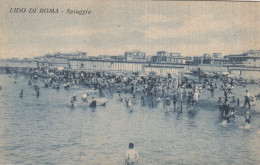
x=118 y=58
x=248 y=58
x=15 y=63
x=104 y=57
x=77 y=54
x=168 y=54
x=246 y=65
x=220 y=61
x=217 y=55
x=165 y=57
x=197 y=60
x=208 y=59
x=188 y=60
x=176 y=60
x=236 y=59
x=58 y=59
x=135 y=55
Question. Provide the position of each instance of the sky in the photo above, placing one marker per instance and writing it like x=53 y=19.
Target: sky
x=113 y=27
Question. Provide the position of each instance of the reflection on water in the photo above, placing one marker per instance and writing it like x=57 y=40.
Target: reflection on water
x=43 y=130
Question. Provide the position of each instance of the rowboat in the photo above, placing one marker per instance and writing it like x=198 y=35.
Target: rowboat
x=99 y=102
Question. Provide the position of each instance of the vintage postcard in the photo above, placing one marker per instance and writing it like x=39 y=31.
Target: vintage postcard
x=113 y=82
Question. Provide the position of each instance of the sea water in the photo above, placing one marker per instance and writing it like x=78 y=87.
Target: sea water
x=43 y=130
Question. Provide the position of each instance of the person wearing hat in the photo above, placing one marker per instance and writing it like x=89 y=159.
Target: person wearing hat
x=247 y=99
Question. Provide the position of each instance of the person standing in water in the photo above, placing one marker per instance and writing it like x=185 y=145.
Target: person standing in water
x=247 y=99
x=196 y=99
x=142 y=99
x=38 y=92
x=174 y=101
x=247 y=117
x=93 y=103
x=167 y=103
x=74 y=98
x=131 y=157
x=21 y=93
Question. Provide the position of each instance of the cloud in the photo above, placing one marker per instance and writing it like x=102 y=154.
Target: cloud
x=187 y=27
x=154 y=19
x=69 y=32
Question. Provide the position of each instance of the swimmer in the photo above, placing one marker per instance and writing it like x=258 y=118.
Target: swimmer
x=21 y=93
x=158 y=100
x=131 y=109
x=120 y=98
x=71 y=104
x=126 y=100
x=74 y=98
x=131 y=157
x=129 y=103
x=29 y=83
x=38 y=92
x=84 y=98
x=130 y=106
x=230 y=116
x=179 y=111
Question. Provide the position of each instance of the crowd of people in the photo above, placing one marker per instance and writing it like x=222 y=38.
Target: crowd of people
x=172 y=92
x=177 y=94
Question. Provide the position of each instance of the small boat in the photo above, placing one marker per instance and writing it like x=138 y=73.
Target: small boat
x=99 y=102
x=66 y=86
x=93 y=104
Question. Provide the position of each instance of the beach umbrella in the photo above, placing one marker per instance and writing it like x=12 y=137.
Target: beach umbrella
x=60 y=68
x=188 y=72
x=231 y=75
x=209 y=74
x=225 y=73
x=51 y=74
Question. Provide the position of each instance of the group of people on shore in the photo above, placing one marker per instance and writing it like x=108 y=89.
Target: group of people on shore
x=151 y=89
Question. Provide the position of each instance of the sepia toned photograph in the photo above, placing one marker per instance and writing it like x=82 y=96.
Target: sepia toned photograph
x=113 y=82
